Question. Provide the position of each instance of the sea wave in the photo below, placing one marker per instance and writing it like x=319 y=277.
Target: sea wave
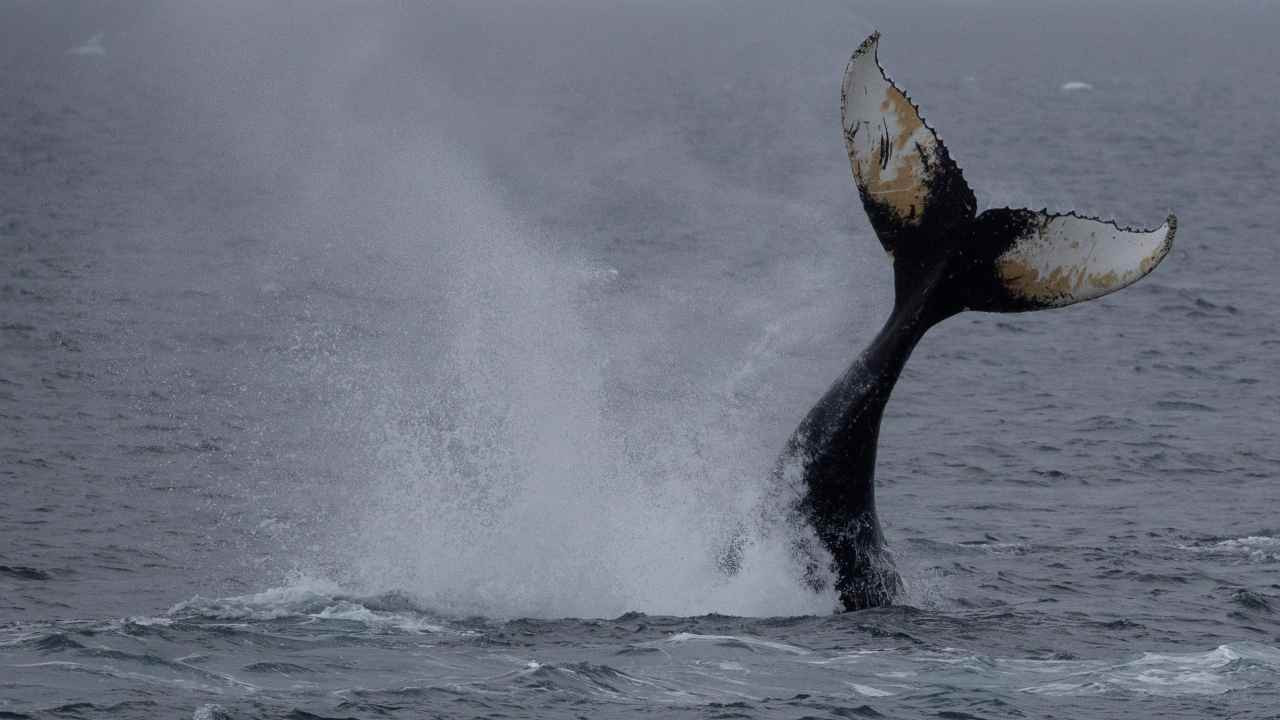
x=1235 y=666
x=314 y=600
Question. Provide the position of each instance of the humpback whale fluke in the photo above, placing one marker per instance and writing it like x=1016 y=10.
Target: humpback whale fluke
x=946 y=259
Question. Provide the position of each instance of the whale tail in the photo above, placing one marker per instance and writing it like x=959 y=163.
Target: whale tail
x=947 y=258
x=923 y=211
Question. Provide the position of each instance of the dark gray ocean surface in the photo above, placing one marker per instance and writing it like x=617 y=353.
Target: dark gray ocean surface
x=417 y=360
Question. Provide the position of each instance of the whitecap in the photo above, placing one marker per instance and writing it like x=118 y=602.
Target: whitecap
x=311 y=600
x=744 y=639
x=355 y=612
x=92 y=46
x=1255 y=548
x=1075 y=86
x=272 y=289
x=271 y=604
x=846 y=658
x=212 y=711
x=146 y=621
x=1214 y=672
x=868 y=691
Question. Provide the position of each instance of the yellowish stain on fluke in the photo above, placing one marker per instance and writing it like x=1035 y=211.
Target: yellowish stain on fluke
x=891 y=156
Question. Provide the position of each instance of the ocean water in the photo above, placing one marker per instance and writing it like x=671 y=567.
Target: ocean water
x=414 y=360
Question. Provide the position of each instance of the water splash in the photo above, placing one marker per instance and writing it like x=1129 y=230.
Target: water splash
x=510 y=473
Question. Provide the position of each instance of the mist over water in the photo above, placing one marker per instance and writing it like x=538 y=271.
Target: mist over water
x=444 y=391
x=499 y=472
x=356 y=358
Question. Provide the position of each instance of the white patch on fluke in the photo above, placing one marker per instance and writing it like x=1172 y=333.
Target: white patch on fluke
x=1066 y=259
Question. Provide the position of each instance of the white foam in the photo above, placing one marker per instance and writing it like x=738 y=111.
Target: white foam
x=212 y=711
x=308 y=597
x=269 y=604
x=847 y=658
x=868 y=691
x=1254 y=548
x=684 y=637
x=355 y=612
x=1075 y=86
x=1213 y=672
x=149 y=621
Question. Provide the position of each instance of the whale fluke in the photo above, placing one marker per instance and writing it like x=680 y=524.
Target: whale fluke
x=1050 y=260
x=946 y=259
x=912 y=190
x=923 y=210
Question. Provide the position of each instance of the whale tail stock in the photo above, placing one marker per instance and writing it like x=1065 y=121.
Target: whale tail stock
x=946 y=259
